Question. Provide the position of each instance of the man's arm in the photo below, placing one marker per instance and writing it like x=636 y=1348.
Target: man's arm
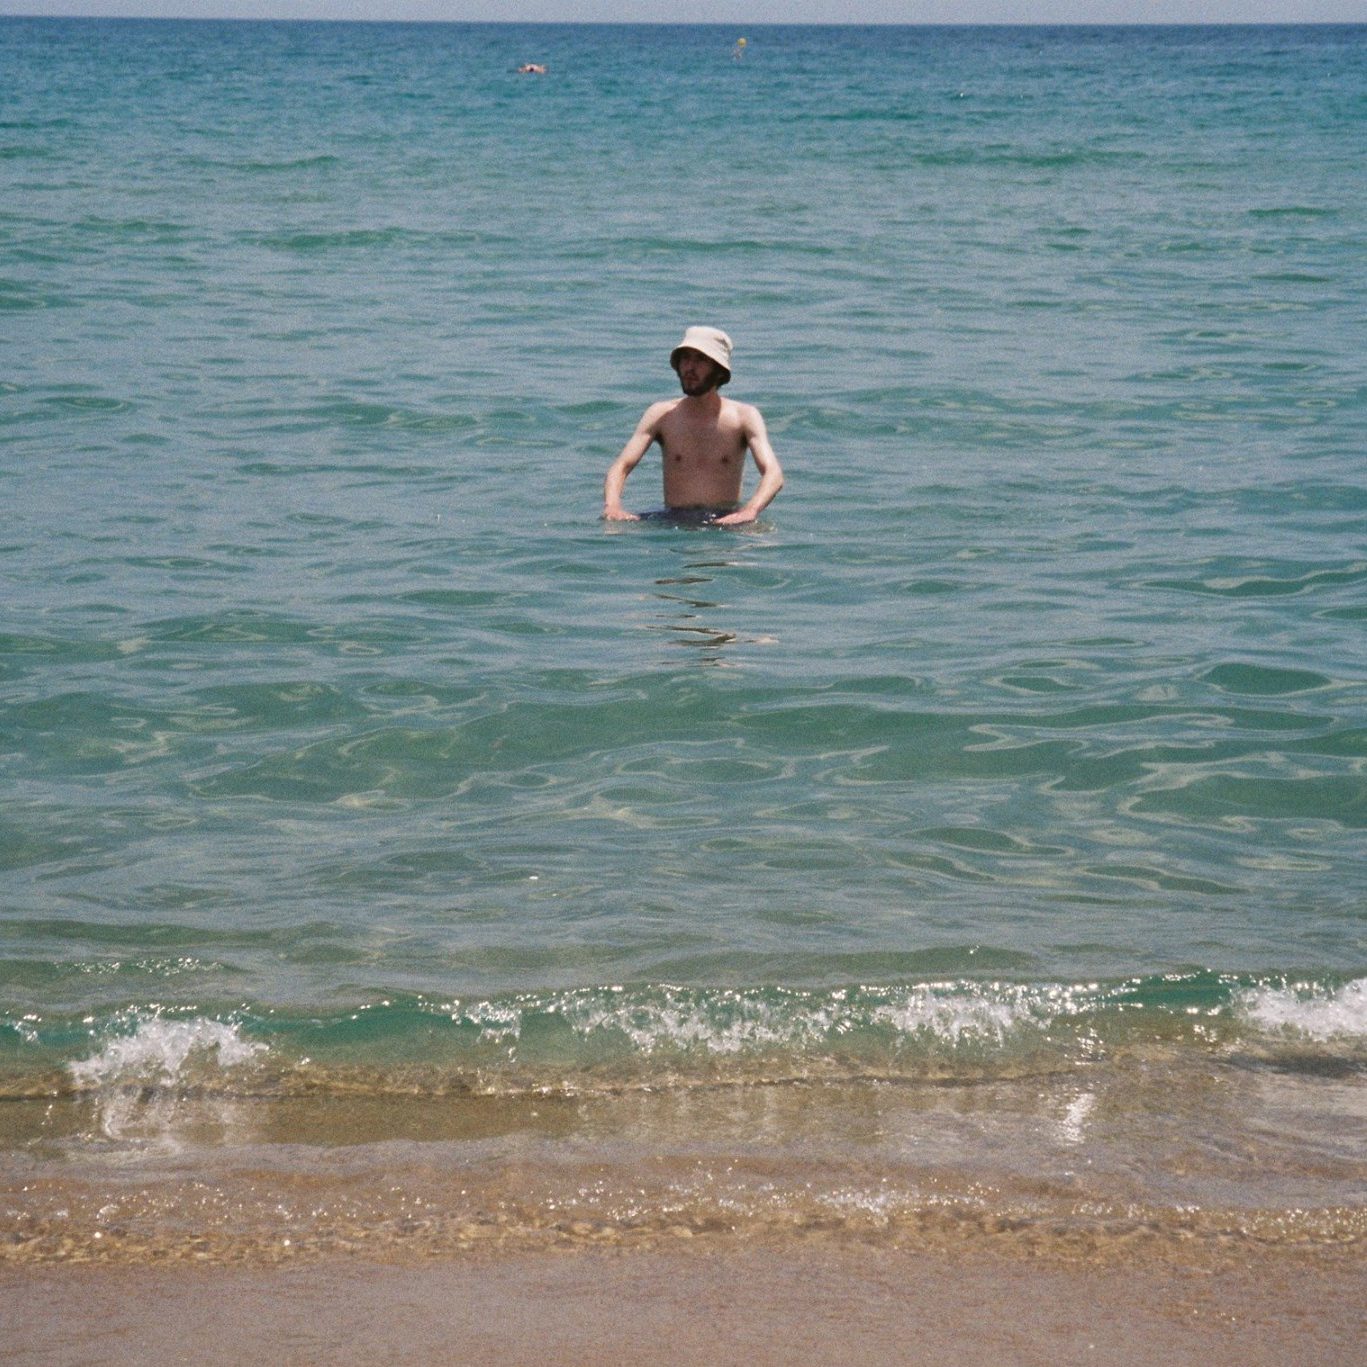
x=770 y=472
x=637 y=445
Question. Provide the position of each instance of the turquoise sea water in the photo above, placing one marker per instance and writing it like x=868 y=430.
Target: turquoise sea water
x=981 y=832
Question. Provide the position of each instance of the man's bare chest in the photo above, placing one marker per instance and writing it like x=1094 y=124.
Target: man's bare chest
x=688 y=442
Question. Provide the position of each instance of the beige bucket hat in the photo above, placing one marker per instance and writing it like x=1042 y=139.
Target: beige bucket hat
x=712 y=342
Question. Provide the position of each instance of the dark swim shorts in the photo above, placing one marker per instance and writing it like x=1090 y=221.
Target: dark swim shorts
x=686 y=517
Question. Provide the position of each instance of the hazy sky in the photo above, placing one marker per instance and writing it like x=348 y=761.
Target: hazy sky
x=741 y=13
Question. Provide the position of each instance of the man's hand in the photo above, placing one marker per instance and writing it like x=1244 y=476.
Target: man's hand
x=619 y=515
x=736 y=519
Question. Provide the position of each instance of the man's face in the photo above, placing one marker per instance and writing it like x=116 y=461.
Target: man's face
x=697 y=373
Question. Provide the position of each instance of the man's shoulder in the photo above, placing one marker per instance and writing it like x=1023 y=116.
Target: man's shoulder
x=737 y=411
x=657 y=412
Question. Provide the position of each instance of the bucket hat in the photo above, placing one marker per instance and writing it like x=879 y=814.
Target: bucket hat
x=712 y=342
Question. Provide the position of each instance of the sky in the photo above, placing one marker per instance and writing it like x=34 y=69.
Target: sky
x=742 y=13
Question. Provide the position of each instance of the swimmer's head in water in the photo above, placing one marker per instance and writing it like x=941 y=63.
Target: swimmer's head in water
x=712 y=343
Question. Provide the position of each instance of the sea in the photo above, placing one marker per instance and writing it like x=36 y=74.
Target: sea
x=397 y=858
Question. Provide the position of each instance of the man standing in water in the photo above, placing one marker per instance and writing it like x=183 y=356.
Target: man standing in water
x=703 y=439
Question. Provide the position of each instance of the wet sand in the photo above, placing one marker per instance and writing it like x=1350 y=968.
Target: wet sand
x=762 y=1305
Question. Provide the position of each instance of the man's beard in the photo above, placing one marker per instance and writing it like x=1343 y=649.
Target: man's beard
x=700 y=387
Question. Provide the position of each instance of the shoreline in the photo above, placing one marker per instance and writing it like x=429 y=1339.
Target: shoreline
x=696 y=1304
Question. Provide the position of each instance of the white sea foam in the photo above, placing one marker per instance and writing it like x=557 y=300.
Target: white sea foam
x=1072 y=1127
x=169 y=1056
x=954 y=1017
x=1315 y=1012
x=736 y=1022
x=728 y=1023
x=164 y=1052
x=497 y=1021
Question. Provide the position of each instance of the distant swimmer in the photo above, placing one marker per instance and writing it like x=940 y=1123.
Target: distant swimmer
x=532 y=69
x=740 y=48
x=703 y=440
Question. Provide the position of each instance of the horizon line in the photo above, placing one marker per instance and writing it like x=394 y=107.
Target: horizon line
x=709 y=23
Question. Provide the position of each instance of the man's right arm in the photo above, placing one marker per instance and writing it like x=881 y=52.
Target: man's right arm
x=637 y=445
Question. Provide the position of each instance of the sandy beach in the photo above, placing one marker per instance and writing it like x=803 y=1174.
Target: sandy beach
x=693 y=1305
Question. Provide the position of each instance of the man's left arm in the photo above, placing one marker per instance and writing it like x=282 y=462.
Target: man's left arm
x=770 y=472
